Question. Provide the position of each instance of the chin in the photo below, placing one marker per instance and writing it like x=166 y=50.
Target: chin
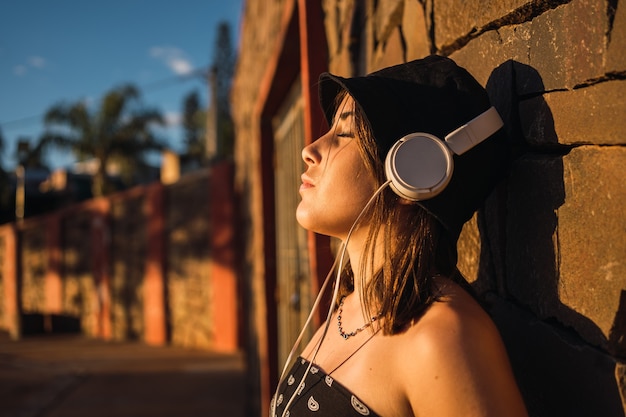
x=301 y=218
x=307 y=223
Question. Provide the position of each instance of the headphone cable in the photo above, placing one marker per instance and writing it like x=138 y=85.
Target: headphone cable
x=338 y=260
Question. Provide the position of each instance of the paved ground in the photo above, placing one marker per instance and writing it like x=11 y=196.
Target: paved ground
x=67 y=376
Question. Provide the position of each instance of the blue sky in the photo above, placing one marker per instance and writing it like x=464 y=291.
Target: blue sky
x=72 y=50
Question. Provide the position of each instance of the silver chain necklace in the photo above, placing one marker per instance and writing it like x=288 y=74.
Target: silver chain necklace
x=353 y=333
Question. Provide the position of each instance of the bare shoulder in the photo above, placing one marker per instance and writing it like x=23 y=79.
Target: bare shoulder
x=460 y=365
x=456 y=322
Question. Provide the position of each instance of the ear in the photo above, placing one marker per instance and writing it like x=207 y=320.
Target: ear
x=405 y=201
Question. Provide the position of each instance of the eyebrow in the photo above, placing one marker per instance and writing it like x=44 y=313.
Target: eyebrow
x=344 y=115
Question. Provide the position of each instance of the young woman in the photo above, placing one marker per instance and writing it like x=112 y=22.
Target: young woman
x=404 y=337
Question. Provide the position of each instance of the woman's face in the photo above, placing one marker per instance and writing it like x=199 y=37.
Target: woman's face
x=336 y=184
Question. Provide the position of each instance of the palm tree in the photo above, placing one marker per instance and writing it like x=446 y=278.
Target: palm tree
x=118 y=131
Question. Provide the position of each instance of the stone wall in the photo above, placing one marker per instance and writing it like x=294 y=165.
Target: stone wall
x=34 y=265
x=547 y=249
x=142 y=265
x=128 y=223
x=79 y=293
x=259 y=38
x=187 y=270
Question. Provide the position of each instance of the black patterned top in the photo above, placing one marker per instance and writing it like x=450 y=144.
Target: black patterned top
x=320 y=395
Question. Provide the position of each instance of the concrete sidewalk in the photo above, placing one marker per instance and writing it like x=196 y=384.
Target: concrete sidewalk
x=67 y=376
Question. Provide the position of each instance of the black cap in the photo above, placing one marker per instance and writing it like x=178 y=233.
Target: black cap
x=431 y=95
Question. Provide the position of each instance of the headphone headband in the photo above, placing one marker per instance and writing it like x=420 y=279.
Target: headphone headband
x=475 y=131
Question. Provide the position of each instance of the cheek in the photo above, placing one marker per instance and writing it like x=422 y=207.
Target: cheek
x=340 y=194
x=364 y=184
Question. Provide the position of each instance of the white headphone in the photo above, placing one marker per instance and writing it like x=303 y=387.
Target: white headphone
x=419 y=166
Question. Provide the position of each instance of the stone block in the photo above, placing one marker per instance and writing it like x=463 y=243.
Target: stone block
x=388 y=16
x=468 y=248
x=616 y=54
x=535 y=194
x=537 y=122
x=456 y=19
x=589 y=115
x=592 y=238
x=340 y=64
x=558 y=374
x=389 y=53
x=331 y=26
x=568 y=43
x=565 y=238
x=494 y=49
x=338 y=26
x=559 y=49
x=336 y=19
x=415 y=30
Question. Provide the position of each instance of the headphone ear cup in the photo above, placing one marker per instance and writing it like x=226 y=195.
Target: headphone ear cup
x=419 y=166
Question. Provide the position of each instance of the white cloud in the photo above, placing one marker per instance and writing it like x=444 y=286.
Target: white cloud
x=176 y=59
x=19 y=70
x=172 y=119
x=37 y=61
x=34 y=61
x=181 y=66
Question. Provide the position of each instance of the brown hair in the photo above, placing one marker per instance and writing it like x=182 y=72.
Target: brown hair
x=416 y=248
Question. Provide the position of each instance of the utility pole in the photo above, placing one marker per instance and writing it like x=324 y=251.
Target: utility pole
x=19 y=193
x=23 y=148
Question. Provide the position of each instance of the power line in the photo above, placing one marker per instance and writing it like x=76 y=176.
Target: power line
x=145 y=89
x=21 y=120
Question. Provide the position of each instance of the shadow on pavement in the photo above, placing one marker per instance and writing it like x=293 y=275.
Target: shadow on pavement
x=54 y=376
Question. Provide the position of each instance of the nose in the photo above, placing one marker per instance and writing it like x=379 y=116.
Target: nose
x=310 y=154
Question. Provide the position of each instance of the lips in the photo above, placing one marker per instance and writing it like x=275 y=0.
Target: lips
x=306 y=183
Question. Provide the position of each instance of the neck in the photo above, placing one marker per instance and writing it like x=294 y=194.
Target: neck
x=362 y=266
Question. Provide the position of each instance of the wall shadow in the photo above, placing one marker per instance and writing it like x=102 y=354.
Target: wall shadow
x=42 y=323
x=559 y=372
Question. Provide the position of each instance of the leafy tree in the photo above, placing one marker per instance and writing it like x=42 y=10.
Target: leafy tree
x=31 y=157
x=194 y=127
x=118 y=131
